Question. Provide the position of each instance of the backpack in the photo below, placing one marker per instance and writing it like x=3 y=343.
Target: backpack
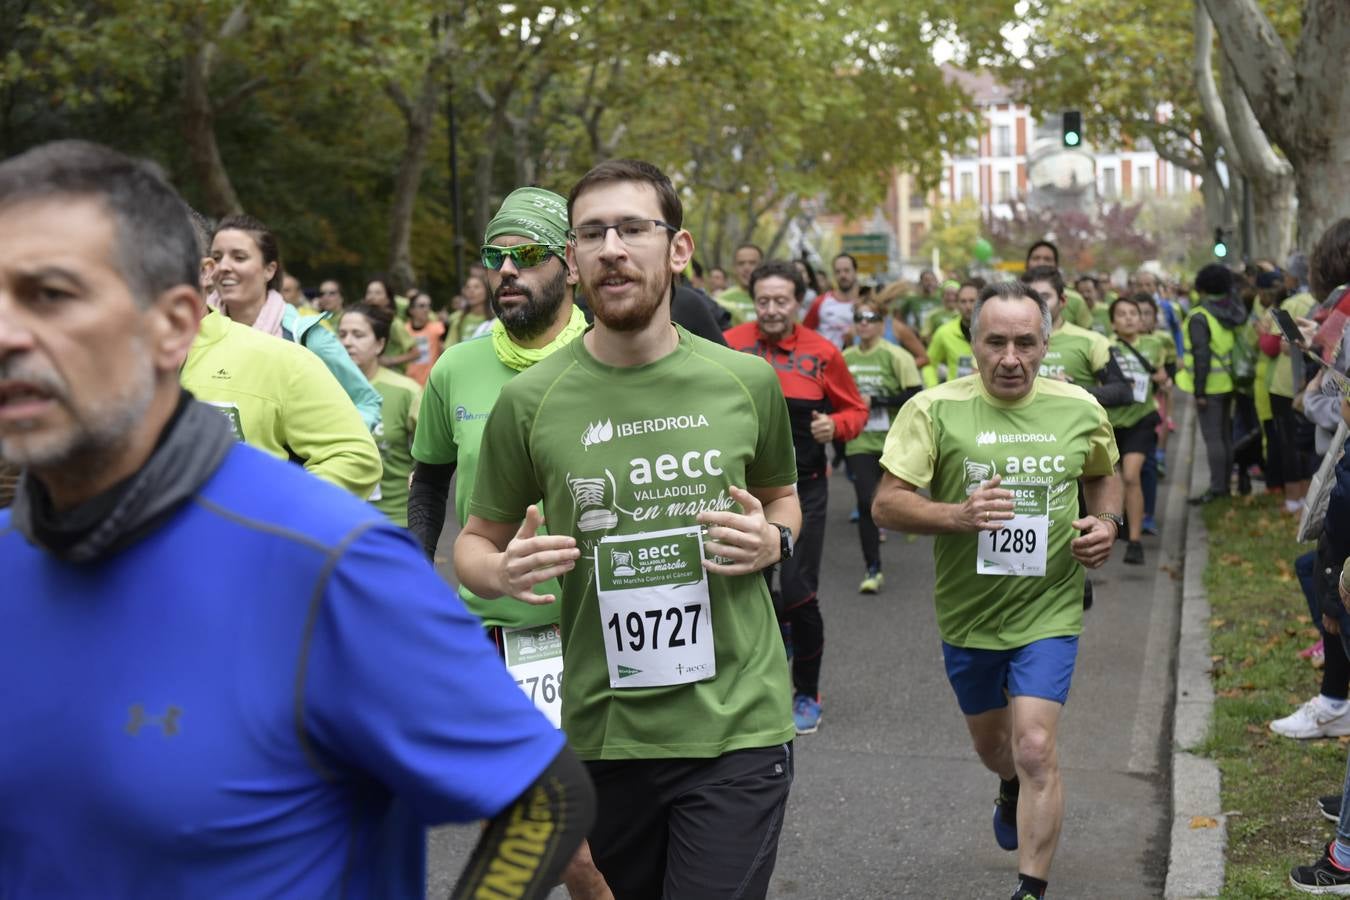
x=1241 y=361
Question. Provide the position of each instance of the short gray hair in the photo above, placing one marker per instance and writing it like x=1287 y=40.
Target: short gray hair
x=154 y=248
x=1011 y=290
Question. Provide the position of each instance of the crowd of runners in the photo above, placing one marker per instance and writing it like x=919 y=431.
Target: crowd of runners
x=640 y=465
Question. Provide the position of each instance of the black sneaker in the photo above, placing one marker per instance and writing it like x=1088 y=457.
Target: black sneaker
x=1322 y=877
x=1330 y=807
x=1134 y=553
x=1005 y=815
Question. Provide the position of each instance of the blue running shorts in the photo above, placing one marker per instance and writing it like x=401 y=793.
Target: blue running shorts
x=980 y=678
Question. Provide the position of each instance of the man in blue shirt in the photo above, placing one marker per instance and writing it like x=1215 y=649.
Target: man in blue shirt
x=224 y=677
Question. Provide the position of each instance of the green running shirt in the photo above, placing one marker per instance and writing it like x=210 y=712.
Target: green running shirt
x=1149 y=346
x=460 y=392
x=400 y=398
x=738 y=302
x=949 y=348
x=883 y=371
x=952 y=437
x=625 y=451
x=1077 y=353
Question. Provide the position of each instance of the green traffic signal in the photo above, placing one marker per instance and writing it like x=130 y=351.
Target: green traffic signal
x=1071 y=139
x=1071 y=130
x=1221 y=250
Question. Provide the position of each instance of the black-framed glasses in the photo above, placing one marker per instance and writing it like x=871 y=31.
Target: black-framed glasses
x=860 y=318
x=522 y=256
x=633 y=232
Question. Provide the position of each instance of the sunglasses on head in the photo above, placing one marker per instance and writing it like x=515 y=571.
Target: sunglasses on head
x=860 y=318
x=522 y=256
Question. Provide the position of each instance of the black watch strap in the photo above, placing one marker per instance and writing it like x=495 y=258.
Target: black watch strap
x=784 y=541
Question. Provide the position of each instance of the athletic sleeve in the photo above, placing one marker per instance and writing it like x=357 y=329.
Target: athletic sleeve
x=850 y=410
x=320 y=426
x=399 y=685
x=434 y=440
x=1102 y=457
x=775 y=462
x=905 y=368
x=324 y=344
x=812 y=318
x=505 y=484
x=910 y=452
x=937 y=353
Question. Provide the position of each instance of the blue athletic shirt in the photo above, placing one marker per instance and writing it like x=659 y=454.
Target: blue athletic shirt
x=230 y=707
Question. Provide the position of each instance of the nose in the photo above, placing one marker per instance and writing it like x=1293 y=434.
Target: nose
x=613 y=246
x=508 y=261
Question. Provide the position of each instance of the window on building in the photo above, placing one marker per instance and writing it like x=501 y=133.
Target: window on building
x=1145 y=179
x=1178 y=180
x=1003 y=140
x=1004 y=187
x=917 y=200
x=917 y=232
x=967 y=186
x=1109 y=183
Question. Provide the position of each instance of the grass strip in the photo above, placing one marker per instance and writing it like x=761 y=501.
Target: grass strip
x=1259 y=623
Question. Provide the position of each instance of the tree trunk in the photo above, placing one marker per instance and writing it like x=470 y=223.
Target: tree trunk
x=1299 y=100
x=199 y=134
x=785 y=220
x=419 y=118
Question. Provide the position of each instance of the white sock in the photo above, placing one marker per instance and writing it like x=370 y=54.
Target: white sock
x=1334 y=705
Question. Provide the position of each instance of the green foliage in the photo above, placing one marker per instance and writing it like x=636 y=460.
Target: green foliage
x=955 y=229
x=752 y=107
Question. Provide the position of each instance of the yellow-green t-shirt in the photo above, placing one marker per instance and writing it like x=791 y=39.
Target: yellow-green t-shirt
x=951 y=438
x=401 y=399
x=884 y=371
x=738 y=302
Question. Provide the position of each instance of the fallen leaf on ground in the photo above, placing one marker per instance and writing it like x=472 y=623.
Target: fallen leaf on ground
x=1204 y=822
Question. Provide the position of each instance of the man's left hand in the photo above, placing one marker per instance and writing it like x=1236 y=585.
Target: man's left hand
x=747 y=540
x=822 y=427
x=1093 y=547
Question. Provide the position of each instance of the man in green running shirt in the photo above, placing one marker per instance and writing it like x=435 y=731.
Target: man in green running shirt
x=666 y=465
x=736 y=300
x=1001 y=453
x=531 y=297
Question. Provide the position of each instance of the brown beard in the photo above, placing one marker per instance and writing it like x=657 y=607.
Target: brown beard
x=633 y=316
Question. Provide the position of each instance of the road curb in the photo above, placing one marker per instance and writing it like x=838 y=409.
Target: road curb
x=1195 y=865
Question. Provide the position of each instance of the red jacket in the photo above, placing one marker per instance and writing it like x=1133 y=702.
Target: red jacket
x=814 y=378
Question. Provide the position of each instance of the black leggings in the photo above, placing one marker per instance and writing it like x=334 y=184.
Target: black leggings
x=866 y=469
x=799 y=578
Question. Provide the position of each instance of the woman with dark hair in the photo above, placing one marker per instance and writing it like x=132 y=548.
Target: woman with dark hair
x=364 y=333
x=247 y=277
x=400 y=349
x=477 y=312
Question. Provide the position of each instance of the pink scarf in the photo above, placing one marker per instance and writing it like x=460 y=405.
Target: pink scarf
x=269 y=316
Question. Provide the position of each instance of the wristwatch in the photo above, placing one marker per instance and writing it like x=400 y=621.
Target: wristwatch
x=784 y=541
x=1113 y=519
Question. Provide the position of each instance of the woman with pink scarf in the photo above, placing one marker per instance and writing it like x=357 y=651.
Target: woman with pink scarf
x=247 y=277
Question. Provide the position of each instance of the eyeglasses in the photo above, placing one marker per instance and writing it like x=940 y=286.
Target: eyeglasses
x=329 y=293
x=633 y=232
x=522 y=256
x=860 y=318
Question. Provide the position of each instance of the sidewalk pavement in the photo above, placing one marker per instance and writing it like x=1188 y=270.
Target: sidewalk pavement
x=1195 y=865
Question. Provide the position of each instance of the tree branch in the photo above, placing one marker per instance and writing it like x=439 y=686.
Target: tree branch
x=1262 y=63
x=1202 y=70
x=239 y=94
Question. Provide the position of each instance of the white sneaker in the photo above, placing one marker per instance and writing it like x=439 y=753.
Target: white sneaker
x=1314 y=719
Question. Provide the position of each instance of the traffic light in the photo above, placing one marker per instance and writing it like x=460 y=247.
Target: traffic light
x=1220 y=245
x=1073 y=128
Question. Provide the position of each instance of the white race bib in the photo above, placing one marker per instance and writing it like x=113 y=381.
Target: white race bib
x=878 y=418
x=534 y=659
x=1018 y=548
x=1140 y=380
x=654 y=609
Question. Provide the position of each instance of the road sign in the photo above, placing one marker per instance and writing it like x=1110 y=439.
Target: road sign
x=872 y=251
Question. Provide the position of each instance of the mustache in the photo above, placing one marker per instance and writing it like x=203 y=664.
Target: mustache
x=46 y=381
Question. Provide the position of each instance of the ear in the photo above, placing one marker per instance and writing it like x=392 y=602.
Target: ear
x=270 y=270
x=174 y=317
x=570 y=263
x=681 y=251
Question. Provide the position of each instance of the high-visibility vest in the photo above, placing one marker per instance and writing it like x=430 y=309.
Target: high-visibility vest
x=1221 y=341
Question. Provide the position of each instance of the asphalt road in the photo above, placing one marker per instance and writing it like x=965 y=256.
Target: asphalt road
x=889 y=799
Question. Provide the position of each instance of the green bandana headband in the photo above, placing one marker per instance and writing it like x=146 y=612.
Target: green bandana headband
x=531 y=212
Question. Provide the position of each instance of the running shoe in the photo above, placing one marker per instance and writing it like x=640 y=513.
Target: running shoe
x=1314 y=719
x=1148 y=526
x=1322 y=877
x=1330 y=807
x=806 y=713
x=872 y=582
x=1134 y=553
x=853 y=516
x=1005 y=820
x=1312 y=650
